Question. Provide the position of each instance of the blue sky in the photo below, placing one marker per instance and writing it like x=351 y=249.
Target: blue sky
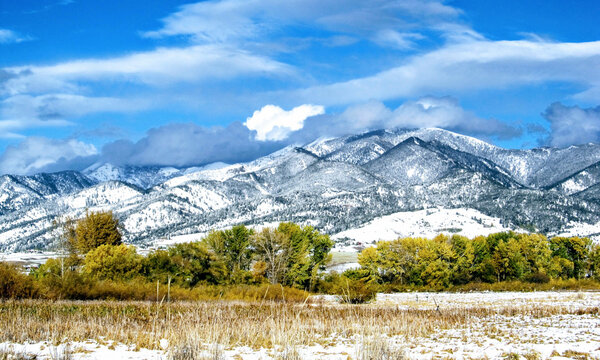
x=175 y=83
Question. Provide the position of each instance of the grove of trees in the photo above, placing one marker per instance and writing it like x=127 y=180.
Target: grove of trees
x=445 y=261
x=295 y=257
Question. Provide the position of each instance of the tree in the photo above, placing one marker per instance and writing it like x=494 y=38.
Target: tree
x=595 y=262
x=112 y=262
x=272 y=247
x=95 y=229
x=188 y=264
x=14 y=284
x=232 y=247
x=573 y=249
x=465 y=256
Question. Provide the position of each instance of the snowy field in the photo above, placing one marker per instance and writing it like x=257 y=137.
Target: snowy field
x=534 y=325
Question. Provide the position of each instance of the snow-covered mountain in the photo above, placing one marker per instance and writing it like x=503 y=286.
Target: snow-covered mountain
x=345 y=186
x=144 y=177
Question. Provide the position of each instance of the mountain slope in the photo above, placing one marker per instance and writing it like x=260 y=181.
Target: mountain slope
x=335 y=185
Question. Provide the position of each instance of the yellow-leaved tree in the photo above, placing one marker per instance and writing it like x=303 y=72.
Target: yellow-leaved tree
x=93 y=230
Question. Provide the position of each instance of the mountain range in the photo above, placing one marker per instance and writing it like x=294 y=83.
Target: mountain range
x=349 y=187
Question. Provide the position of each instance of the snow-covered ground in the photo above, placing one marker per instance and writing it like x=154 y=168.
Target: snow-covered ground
x=425 y=223
x=32 y=258
x=573 y=332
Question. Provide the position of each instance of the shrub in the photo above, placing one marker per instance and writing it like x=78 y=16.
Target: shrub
x=14 y=284
x=352 y=288
x=108 y=262
x=538 y=278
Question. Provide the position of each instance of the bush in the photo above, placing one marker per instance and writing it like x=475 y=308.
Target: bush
x=14 y=284
x=108 y=262
x=538 y=278
x=352 y=288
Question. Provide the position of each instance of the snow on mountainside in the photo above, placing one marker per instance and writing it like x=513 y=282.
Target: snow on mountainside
x=424 y=223
x=377 y=183
x=21 y=191
x=144 y=177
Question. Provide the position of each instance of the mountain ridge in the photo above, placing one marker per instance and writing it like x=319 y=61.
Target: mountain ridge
x=333 y=184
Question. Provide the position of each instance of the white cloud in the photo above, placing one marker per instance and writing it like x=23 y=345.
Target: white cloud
x=442 y=112
x=234 y=20
x=37 y=154
x=572 y=125
x=36 y=93
x=60 y=106
x=21 y=112
x=396 y=39
x=467 y=66
x=269 y=129
x=273 y=123
x=157 y=67
x=9 y=36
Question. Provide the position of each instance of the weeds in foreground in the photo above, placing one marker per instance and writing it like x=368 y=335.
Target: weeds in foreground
x=61 y=352
x=10 y=354
x=191 y=327
x=378 y=348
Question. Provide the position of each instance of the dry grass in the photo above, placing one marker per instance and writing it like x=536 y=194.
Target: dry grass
x=198 y=330
x=378 y=348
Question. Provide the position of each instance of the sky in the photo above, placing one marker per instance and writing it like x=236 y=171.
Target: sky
x=175 y=83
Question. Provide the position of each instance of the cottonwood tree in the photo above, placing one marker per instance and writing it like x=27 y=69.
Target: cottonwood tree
x=272 y=247
x=93 y=230
x=232 y=247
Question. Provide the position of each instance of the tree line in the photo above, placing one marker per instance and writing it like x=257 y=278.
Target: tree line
x=445 y=261
x=290 y=255
x=97 y=264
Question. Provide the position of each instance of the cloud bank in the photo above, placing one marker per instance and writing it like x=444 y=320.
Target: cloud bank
x=39 y=154
x=572 y=125
x=267 y=130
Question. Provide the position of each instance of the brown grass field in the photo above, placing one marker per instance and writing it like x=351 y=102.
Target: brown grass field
x=188 y=325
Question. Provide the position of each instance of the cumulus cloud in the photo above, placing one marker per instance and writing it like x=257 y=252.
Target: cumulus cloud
x=572 y=125
x=39 y=154
x=273 y=123
x=267 y=130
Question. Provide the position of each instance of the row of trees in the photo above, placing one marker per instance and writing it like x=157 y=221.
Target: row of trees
x=445 y=261
x=289 y=255
x=294 y=257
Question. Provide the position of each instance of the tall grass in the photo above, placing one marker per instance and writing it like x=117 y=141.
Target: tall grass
x=197 y=326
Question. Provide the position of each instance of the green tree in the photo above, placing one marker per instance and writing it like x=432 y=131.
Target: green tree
x=465 y=256
x=93 y=230
x=575 y=250
x=308 y=254
x=595 y=262
x=232 y=247
x=536 y=253
x=368 y=259
x=187 y=264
